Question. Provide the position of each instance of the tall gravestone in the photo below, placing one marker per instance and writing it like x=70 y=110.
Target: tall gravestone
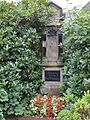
x=52 y=65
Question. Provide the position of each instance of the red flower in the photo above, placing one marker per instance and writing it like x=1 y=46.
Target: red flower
x=50 y=112
x=38 y=98
x=48 y=103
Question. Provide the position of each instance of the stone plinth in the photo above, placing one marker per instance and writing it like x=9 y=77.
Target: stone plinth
x=52 y=87
x=52 y=65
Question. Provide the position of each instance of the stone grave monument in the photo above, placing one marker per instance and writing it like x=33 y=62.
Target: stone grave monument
x=52 y=65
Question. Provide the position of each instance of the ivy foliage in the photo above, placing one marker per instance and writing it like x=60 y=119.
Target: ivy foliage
x=20 y=73
x=76 y=52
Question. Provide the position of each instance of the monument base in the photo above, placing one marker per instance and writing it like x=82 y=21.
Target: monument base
x=51 y=88
x=52 y=77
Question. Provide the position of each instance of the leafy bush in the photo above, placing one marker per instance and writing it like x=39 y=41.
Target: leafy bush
x=76 y=52
x=68 y=115
x=48 y=106
x=20 y=72
x=69 y=98
x=1 y=115
x=82 y=106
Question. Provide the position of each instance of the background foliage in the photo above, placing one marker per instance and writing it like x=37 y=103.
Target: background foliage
x=76 y=52
x=20 y=73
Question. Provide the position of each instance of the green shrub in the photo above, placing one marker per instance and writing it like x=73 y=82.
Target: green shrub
x=19 y=74
x=76 y=52
x=1 y=114
x=68 y=115
x=82 y=106
x=20 y=70
x=69 y=98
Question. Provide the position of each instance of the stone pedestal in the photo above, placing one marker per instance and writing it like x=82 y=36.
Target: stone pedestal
x=52 y=65
x=52 y=77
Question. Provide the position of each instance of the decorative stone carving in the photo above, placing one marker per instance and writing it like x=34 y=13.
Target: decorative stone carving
x=52 y=32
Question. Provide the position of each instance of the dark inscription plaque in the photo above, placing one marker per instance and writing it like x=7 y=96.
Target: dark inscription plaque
x=52 y=75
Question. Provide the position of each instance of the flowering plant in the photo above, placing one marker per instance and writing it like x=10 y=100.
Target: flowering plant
x=48 y=106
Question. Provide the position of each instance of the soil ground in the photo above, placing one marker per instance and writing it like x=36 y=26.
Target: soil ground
x=27 y=118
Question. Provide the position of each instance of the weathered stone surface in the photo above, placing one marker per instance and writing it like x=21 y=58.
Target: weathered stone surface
x=51 y=89
x=51 y=60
